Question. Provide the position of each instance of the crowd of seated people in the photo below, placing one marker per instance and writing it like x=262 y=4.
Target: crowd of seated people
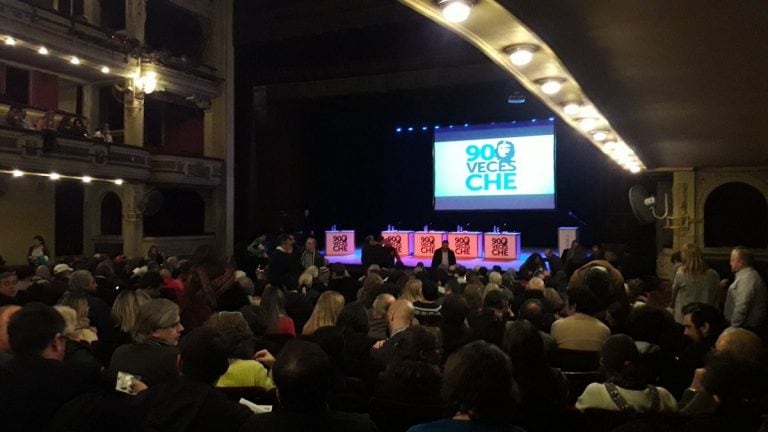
x=169 y=344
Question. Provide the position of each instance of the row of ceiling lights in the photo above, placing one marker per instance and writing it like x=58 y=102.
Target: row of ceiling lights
x=56 y=176
x=145 y=82
x=594 y=125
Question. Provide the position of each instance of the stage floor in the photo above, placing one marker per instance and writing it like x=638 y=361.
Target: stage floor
x=411 y=261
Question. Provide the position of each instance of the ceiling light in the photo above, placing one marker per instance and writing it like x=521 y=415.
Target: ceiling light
x=588 y=123
x=18 y=173
x=87 y=179
x=600 y=135
x=54 y=176
x=10 y=41
x=634 y=169
x=455 y=11
x=572 y=108
x=521 y=55
x=118 y=182
x=104 y=70
x=551 y=86
x=43 y=50
x=74 y=60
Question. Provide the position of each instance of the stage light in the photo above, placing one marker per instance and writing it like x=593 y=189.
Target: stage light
x=437 y=126
x=104 y=70
x=42 y=50
x=455 y=11
x=410 y=129
x=54 y=176
x=398 y=130
x=18 y=173
x=118 y=182
x=424 y=128
x=533 y=120
x=10 y=41
x=600 y=135
x=551 y=86
x=74 y=60
x=634 y=169
x=572 y=108
x=466 y=124
x=551 y=119
x=521 y=55
x=87 y=179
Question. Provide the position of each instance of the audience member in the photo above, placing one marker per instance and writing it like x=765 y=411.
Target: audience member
x=453 y=328
x=694 y=282
x=9 y=293
x=6 y=312
x=284 y=265
x=745 y=304
x=427 y=312
x=303 y=374
x=104 y=134
x=190 y=402
x=326 y=312
x=36 y=382
x=310 y=256
x=580 y=330
x=209 y=278
x=38 y=253
x=477 y=387
x=626 y=389
x=399 y=317
x=278 y=322
x=152 y=355
x=83 y=283
x=377 y=316
x=81 y=329
x=244 y=370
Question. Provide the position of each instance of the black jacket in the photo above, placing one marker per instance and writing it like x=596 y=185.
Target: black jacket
x=437 y=258
x=284 y=268
x=281 y=420
x=153 y=361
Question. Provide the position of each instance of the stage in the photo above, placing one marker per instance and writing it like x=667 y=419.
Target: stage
x=411 y=261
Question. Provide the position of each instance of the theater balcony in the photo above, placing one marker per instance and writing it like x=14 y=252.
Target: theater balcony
x=24 y=150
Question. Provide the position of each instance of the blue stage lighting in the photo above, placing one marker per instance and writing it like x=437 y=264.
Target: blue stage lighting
x=398 y=130
x=551 y=119
x=437 y=126
x=424 y=128
x=533 y=120
x=410 y=129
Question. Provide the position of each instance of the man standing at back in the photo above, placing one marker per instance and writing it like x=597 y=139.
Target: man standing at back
x=745 y=305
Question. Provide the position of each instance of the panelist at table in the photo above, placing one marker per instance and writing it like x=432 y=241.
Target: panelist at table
x=443 y=256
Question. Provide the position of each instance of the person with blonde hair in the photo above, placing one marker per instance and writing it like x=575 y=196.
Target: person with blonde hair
x=73 y=330
x=427 y=312
x=124 y=312
x=325 y=313
x=79 y=305
x=694 y=282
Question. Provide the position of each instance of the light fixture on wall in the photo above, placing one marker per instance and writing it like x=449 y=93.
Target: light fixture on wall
x=42 y=50
x=456 y=11
x=521 y=54
x=145 y=83
x=10 y=41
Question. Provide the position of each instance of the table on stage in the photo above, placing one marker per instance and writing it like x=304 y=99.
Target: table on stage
x=466 y=244
x=402 y=241
x=502 y=245
x=339 y=243
x=426 y=242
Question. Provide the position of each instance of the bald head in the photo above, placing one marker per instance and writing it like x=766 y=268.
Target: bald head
x=6 y=312
x=740 y=343
x=400 y=315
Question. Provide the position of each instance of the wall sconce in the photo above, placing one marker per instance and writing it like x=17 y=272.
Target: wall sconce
x=144 y=84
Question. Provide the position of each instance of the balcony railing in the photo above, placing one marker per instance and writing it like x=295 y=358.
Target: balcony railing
x=24 y=150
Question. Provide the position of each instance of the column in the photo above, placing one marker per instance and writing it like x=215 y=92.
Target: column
x=684 y=207
x=133 y=221
x=135 y=18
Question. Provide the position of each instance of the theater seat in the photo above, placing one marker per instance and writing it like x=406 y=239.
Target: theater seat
x=575 y=360
x=604 y=420
x=394 y=416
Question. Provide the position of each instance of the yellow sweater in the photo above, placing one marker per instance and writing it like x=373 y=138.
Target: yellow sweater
x=246 y=373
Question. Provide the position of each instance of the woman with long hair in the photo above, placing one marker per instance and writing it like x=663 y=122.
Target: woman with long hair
x=694 y=282
x=325 y=313
x=427 y=312
x=273 y=304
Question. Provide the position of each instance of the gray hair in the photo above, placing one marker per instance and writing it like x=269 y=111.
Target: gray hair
x=79 y=281
x=154 y=315
x=381 y=304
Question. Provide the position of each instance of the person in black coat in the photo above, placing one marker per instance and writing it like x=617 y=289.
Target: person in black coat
x=442 y=255
x=284 y=265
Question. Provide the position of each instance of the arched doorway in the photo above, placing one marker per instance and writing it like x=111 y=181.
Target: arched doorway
x=736 y=214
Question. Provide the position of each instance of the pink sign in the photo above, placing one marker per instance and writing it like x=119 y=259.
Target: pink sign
x=502 y=246
x=338 y=243
x=426 y=242
x=466 y=245
x=402 y=241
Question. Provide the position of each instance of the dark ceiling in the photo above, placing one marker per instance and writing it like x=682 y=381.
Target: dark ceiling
x=683 y=82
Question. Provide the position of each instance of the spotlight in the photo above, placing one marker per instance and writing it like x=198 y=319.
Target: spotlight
x=54 y=176
x=398 y=130
x=18 y=173
x=118 y=182
x=87 y=179
x=104 y=70
x=74 y=60
x=572 y=108
x=634 y=169
x=588 y=123
x=455 y=11
x=551 y=86
x=42 y=50
x=10 y=41
x=424 y=128
x=521 y=55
